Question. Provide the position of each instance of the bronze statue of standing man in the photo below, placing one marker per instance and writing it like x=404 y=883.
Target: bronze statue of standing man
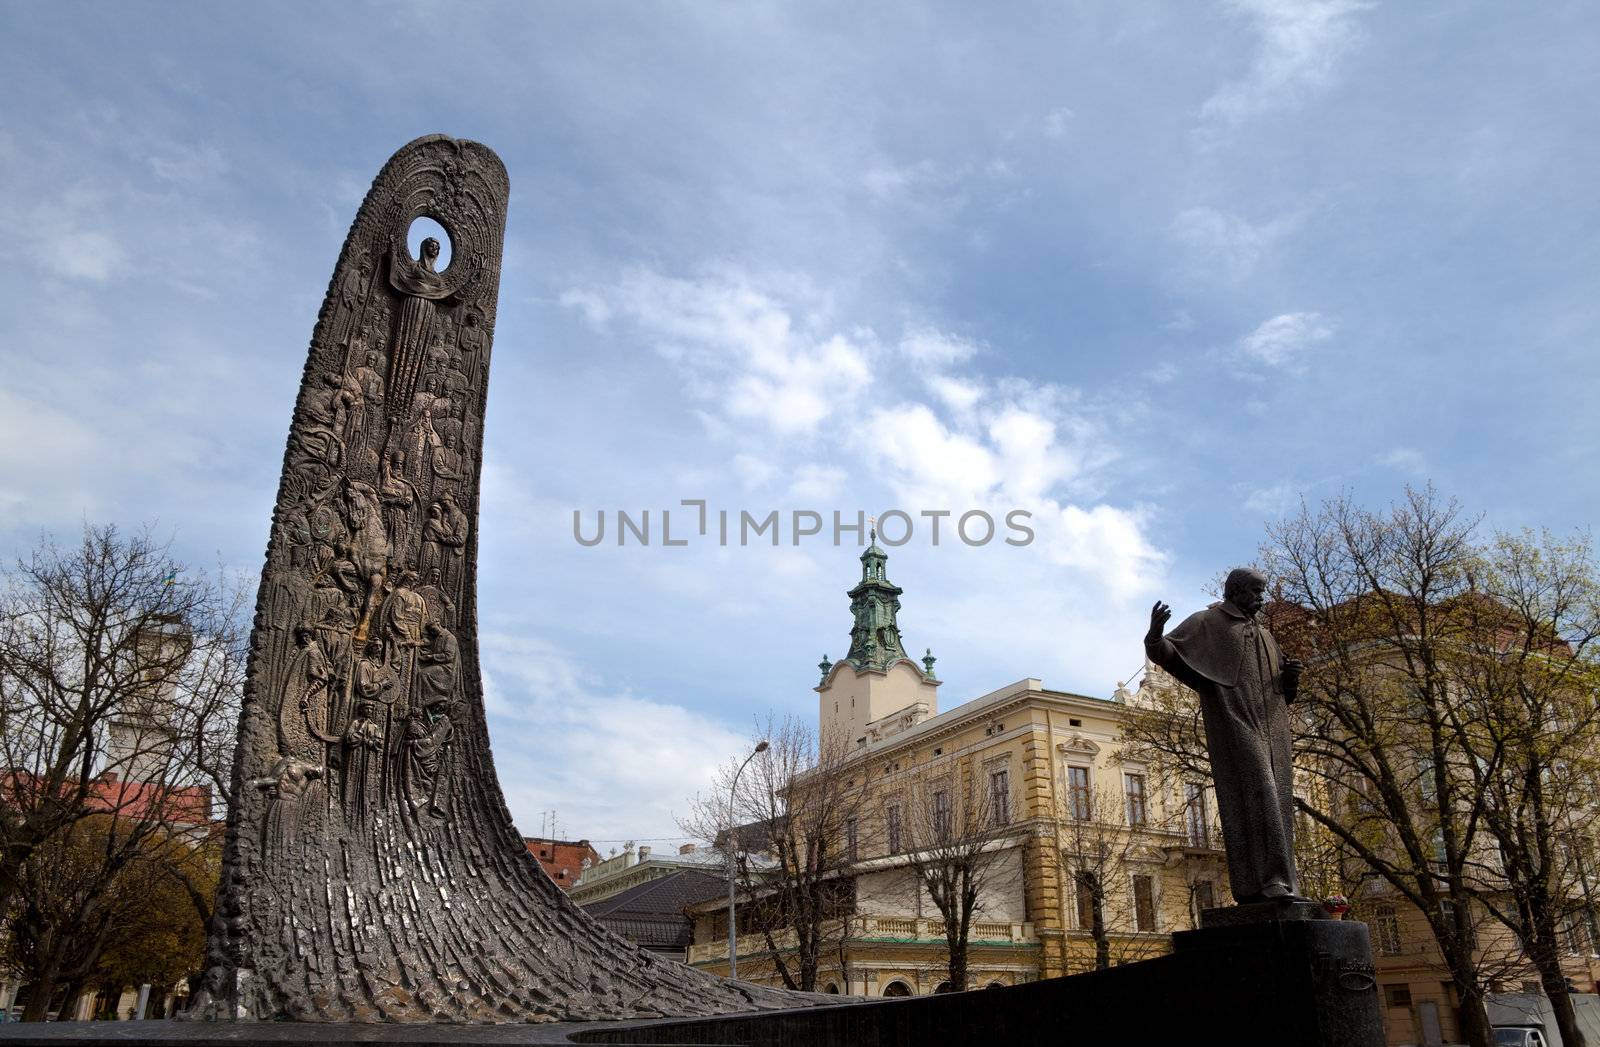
x=1246 y=686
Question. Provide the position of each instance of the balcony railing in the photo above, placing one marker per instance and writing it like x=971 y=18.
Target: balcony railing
x=894 y=928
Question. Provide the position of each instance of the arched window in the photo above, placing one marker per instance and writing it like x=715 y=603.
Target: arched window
x=897 y=988
x=995 y=985
x=941 y=988
x=831 y=989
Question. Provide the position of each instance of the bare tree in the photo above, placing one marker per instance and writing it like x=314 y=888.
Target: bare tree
x=789 y=824
x=120 y=676
x=1407 y=761
x=956 y=833
x=1108 y=850
x=1523 y=666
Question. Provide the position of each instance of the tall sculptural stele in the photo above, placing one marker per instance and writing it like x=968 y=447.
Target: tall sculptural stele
x=372 y=872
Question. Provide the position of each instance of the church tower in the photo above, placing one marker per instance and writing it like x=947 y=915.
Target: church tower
x=876 y=690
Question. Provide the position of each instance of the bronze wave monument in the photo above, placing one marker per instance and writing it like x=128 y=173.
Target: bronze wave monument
x=372 y=872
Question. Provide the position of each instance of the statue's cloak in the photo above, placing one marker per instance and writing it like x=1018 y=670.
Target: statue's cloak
x=1212 y=644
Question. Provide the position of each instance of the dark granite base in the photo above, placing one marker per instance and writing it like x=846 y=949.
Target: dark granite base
x=1300 y=981
x=1263 y=912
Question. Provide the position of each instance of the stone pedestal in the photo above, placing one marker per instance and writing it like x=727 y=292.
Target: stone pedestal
x=1264 y=979
x=1268 y=975
x=1262 y=912
x=1310 y=977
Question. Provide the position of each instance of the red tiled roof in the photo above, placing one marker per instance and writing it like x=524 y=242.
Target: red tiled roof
x=562 y=859
x=109 y=794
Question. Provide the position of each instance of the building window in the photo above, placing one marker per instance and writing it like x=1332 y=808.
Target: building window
x=891 y=818
x=1386 y=931
x=1000 y=796
x=941 y=814
x=1397 y=995
x=1078 y=796
x=852 y=840
x=1205 y=897
x=1576 y=933
x=1197 y=821
x=1086 y=882
x=1447 y=914
x=1138 y=811
x=1144 y=903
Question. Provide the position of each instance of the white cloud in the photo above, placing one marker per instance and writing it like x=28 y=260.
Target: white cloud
x=1283 y=340
x=1274 y=500
x=189 y=165
x=1107 y=544
x=1026 y=451
x=753 y=472
x=1301 y=42
x=817 y=483
x=45 y=455
x=936 y=349
x=1056 y=122
x=958 y=395
x=614 y=763
x=740 y=348
x=1216 y=244
x=82 y=254
x=914 y=438
x=1405 y=460
x=886 y=180
x=593 y=306
x=927 y=462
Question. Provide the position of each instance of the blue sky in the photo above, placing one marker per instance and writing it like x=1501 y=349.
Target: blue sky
x=1152 y=272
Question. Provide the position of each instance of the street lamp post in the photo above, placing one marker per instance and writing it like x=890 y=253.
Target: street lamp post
x=733 y=843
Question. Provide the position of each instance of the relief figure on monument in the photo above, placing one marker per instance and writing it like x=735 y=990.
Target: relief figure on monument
x=444 y=539
x=367 y=411
x=363 y=762
x=441 y=609
x=430 y=398
x=352 y=292
x=327 y=412
x=399 y=498
x=420 y=286
x=470 y=343
x=426 y=754
x=448 y=464
x=369 y=543
x=439 y=662
x=303 y=713
x=420 y=444
x=404 y=619
x=289 y=788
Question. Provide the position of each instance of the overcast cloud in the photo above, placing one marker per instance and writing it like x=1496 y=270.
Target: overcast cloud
x=1151 y=272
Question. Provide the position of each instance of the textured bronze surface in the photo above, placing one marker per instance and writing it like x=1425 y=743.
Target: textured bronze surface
x=372 y=871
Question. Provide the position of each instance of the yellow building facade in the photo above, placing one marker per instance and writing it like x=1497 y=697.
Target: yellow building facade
x=1063 y=812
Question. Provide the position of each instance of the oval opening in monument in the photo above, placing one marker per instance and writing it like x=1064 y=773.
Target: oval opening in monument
x=421 y=229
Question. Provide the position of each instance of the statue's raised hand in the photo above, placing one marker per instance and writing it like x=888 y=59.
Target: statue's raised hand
x=1160 y=614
